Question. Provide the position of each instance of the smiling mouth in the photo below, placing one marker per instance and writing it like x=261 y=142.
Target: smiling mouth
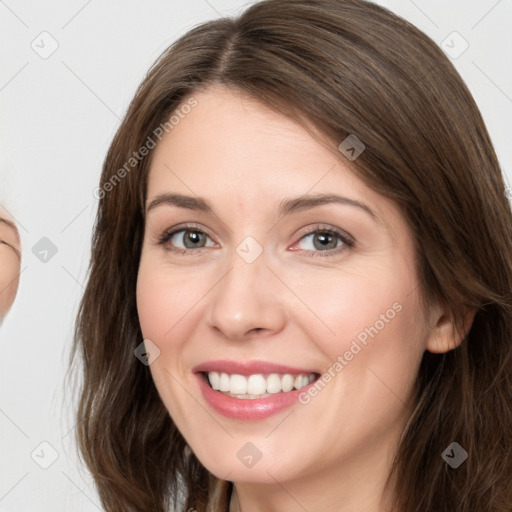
x=259 y=385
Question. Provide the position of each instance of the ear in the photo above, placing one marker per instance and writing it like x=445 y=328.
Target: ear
x=443 y=335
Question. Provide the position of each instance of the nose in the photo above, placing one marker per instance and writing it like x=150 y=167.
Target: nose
x=246 y=301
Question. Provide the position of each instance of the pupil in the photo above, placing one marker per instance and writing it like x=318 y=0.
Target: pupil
x=194 y=239
x=324 y=241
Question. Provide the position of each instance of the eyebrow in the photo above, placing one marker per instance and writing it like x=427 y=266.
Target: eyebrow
x=286 y=206
x=306 y=202
x=188 y=202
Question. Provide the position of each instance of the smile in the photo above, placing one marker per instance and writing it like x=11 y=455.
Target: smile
x=251 y=390
x=257 y=385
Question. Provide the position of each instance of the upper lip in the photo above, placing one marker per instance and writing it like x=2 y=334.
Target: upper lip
x=248 y=367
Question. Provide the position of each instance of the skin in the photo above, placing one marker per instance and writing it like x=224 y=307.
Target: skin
x=288 y=306
x=10 y=260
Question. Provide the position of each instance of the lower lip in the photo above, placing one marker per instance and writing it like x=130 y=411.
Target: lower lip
x=245 y=408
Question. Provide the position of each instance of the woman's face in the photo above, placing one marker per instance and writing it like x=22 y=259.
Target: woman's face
x=10 y=258
x=266 y=260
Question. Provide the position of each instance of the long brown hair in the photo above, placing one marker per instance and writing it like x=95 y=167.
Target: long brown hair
x=346 y=67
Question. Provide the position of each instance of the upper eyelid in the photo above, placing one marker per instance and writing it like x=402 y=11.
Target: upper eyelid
x=322 y=227
x=165 y=236
x=15 y=249
x=187 y=227
x=305 y=231
x=312 y=228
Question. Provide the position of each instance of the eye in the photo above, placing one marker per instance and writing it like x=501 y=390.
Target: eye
x=320 y=241
x=188 y=238
x=325 y=240
x=3 y=242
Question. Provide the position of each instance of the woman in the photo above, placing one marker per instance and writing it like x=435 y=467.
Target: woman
x=300 y=286
x=10 y=260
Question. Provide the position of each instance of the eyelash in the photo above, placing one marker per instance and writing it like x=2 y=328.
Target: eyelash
x=167 y=235
x=348 y=241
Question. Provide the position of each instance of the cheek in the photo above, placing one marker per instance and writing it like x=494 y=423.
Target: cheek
x=166 y=304
x=166 y=298
x=370 y=328
x=9 y=278
x=154 y=303
x=339 y=307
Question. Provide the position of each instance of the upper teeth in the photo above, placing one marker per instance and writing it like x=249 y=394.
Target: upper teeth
x=258 y=384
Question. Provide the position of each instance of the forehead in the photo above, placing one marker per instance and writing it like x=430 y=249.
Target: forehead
x=244 y=159
x=230 y=142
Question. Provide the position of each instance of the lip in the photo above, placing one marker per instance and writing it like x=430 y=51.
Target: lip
x=246 y=409
x=248 y=367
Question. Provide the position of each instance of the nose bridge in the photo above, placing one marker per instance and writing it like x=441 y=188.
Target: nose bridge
x=246 y=298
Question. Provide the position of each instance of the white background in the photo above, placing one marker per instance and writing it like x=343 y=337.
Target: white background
x=58 y=116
